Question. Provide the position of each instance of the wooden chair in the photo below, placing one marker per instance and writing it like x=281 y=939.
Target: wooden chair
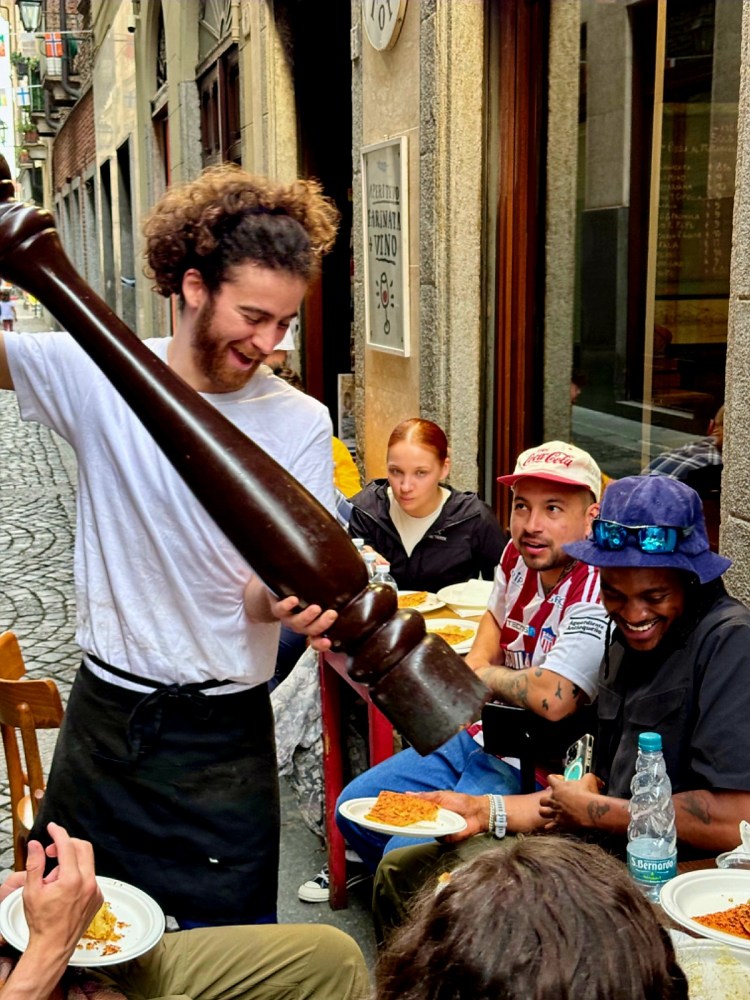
x=25 y=706
x=12 y=667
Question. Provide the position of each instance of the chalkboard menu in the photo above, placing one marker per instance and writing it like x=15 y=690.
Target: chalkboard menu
x=698 y=160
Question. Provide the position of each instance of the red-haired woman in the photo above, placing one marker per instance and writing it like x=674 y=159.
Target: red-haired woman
x=431 y=534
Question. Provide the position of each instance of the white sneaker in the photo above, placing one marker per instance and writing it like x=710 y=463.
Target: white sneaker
x=318 y=889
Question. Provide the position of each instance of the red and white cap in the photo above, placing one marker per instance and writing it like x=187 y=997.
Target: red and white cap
x=558 y=462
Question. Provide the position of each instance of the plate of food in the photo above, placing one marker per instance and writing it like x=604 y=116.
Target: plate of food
x=471 y=594
x=129 y=924
x=715 y=970
x=402 y=815
x=419 y=600
x=714 y=903
x=458 y=633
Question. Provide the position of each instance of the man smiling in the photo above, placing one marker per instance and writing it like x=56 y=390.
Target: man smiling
x=678 y=664
x=166 y=757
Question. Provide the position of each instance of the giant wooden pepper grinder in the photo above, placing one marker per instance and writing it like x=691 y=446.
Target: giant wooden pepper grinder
x=294 y=545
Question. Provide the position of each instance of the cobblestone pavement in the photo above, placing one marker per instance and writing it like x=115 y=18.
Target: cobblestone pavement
x=37 y=498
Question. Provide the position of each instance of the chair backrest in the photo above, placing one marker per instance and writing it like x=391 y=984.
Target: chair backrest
x=12 y=667
x=26 y=706
x=516 y=732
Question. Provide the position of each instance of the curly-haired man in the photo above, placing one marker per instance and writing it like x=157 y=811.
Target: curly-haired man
x=166 y=757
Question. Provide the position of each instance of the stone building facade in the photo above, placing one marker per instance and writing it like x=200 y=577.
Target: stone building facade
x=573 y=196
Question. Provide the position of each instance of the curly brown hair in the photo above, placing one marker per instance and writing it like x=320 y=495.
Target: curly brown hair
x=548 y=918
x=227 y=216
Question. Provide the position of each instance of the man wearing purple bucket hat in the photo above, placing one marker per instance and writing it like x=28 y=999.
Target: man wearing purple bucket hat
x=678 y=663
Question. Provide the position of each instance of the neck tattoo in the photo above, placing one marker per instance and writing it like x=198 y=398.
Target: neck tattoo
x=563 y=572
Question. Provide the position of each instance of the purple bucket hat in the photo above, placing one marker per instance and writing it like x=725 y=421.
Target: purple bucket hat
x=642 y=500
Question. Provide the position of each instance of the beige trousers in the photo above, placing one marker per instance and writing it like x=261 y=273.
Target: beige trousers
x=253 y=962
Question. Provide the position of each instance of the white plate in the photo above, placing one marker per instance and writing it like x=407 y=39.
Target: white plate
x=131 y=906
x=431 y=603
x=433 y=624
x=696 y=893
x=715 y=970
x=446 y=822
x=472 y=594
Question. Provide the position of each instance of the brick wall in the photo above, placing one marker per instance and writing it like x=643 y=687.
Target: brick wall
x=75 y=144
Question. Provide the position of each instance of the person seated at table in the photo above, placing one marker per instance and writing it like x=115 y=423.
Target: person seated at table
x=431 y=534
x=548 y=918
x=678 y=664
x=539 y=643
x=316 y=962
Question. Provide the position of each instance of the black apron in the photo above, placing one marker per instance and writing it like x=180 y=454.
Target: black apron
x=178 y=792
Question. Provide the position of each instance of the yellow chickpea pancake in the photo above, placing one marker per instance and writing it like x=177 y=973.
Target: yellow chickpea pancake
x=400 y=809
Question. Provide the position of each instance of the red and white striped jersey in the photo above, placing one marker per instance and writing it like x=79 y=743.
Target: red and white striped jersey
x=563 y=631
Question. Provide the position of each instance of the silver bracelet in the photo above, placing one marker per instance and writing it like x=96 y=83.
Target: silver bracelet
x=498 y=816
x=491 y=821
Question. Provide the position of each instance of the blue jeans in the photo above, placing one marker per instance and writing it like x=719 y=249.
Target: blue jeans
x=460 y=765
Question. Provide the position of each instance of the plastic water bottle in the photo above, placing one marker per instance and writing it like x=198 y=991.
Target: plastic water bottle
x=652 y=840
x=370 y=558
x=383 y=575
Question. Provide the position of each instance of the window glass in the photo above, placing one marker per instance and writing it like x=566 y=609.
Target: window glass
x=656 y=166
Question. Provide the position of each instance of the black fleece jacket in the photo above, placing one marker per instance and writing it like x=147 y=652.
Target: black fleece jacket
x=464 y=543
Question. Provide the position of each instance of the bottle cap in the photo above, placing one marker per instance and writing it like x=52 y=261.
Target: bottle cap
x=370 y=557
x=384 y=568
x=358 y=542
x=649 y=742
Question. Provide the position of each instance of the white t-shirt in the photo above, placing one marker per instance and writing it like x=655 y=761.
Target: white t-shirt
x=413 y=529
x=159 y=589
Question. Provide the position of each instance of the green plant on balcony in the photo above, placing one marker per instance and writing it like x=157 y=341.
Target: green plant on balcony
x=26 y=126
x=24 y=65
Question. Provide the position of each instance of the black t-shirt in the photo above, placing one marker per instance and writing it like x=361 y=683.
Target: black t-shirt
x=694 y=690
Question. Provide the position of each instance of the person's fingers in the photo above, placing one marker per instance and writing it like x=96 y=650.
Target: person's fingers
x=35 y=862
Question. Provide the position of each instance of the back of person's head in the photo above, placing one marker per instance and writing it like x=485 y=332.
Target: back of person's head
x=227 y=217
x=547 y=918
x=421 y=432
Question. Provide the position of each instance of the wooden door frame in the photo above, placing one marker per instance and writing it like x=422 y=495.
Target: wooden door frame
x=522 y=126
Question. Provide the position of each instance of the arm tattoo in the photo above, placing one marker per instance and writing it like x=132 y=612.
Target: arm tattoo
x=510 y=685
x=576 y=691
x=558 y=693
x=538 y=672
x=545 y=704
x=596 y=811
x=695 y=805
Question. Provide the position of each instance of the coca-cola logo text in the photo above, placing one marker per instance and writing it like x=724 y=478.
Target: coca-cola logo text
x=549 y=458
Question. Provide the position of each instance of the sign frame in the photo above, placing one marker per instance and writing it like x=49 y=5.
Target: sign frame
x=385 y=243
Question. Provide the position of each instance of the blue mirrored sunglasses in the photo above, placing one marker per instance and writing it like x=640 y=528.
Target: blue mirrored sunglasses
x=650 y=538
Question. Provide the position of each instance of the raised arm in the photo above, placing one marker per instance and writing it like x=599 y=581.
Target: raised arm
x=58 y=911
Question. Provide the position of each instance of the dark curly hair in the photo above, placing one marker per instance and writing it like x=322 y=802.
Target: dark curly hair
x=548 y=918
x=226 y=217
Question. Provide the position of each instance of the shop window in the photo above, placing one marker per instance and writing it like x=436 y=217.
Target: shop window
x=656 y=166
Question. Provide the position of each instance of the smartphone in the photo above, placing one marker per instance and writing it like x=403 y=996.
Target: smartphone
x=578 y=758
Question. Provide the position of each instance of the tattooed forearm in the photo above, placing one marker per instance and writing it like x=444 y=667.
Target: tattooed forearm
x=696 y=805
x=545 y=704
x=596 y=811
x=558 y=693
x=510 y=685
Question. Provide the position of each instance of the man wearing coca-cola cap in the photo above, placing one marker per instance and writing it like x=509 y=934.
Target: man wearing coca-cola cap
x=539 y=642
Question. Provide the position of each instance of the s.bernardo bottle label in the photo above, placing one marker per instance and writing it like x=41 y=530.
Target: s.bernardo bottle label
x=645 y=868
